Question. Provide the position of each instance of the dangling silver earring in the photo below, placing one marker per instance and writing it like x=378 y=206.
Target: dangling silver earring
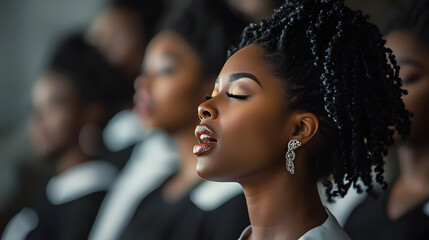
x=290 y=154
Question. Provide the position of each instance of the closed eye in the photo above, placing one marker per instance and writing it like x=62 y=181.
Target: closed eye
x=410 y=80
x=241 y=97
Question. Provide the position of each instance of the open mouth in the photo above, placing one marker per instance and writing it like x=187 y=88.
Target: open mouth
x=142 y=105
x=206 y=139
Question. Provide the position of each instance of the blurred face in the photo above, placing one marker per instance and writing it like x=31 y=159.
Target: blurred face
x=55 y=123
x=242 y=126
x=118 y=35
x=254 y=10
x=170 y=88
x=413 y=58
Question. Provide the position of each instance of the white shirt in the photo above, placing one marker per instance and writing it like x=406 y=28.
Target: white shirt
x=151 y=163
x=77 y=182
x=123 y=130
x=329 y=230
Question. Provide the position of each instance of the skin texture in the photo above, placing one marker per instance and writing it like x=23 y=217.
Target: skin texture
x=167 y=93
x=118 y=34
x=412 y=56
x=411 y=187
x=58 y=116
x=56 y=107
x=254 y=10
x=252 y=136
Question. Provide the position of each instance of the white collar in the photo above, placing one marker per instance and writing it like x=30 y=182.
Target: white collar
x=426 y=208
x=211 y=195
x=81 y=180
x=330 y=229
x=123 y=130
x=151 y=163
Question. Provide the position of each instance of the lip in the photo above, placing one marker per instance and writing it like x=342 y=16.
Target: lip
x=142 y=105
x=206 y=140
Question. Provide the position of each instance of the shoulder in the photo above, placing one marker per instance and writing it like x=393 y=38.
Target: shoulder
x=330 y=229
x=80 y=181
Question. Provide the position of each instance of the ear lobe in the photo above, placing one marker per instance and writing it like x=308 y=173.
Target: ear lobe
x=307 y=125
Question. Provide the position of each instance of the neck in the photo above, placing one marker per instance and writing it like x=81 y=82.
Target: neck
x=414 y=165
x=70 y=158
x=283 y=208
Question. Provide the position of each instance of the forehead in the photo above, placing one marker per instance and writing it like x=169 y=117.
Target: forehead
x=123 y=16
x=247 y=59
x=168 y=41
x=250 y=59
x=406 y=43
x=52 y=83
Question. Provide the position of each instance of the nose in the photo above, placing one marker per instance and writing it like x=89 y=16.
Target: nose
x=138 y=83
x=142 y=82
x=207 y=111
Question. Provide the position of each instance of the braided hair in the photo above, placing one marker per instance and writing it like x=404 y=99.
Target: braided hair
x=149 y=13
x=209 y=27
x=334 y=64
x=87 y=70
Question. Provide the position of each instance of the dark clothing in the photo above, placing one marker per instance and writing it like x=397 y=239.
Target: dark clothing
x=370 y=221
x=156 y=219
x=66 y=206
x=72 y=220
x=119 y=158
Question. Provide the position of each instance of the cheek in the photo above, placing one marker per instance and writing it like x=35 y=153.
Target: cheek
x=120 y=49
x=255 y=135
x=250 y=141
x=176 y=103
x=129 y=44
x=417 y=101
x=63 y=121
x=54 y=129
x=39 y=135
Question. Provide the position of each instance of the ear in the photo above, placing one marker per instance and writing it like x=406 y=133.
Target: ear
x=306 y=126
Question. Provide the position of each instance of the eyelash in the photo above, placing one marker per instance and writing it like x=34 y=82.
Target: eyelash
x=410 y=79
x=241 y=97
x=166 y=70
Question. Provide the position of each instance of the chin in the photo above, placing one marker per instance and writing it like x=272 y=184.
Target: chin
x=147 y=123
x=212 y=173
x=202 y=170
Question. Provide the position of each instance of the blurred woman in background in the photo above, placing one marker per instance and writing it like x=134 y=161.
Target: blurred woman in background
x=71 y=106
x=254 y=11
x=180 y=64
x=121 y=33
x=402 y=212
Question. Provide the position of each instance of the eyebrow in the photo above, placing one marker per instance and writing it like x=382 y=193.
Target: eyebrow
x=236 y=76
